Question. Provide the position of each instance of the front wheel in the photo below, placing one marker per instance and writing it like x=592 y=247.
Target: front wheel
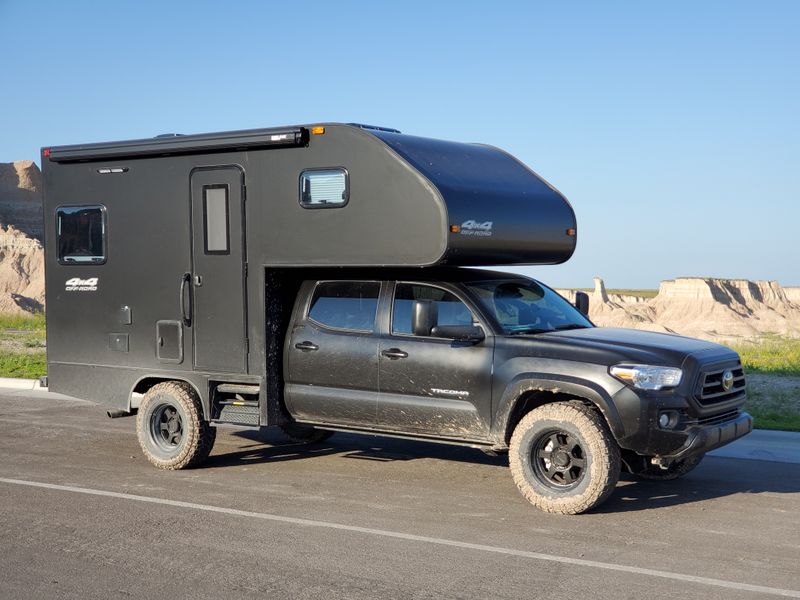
x=563 y=458
x=171 y=429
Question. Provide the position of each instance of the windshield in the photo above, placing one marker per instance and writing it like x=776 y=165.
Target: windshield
x=524 y=306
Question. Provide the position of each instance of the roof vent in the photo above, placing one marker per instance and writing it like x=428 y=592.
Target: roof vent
x=375 y=127
x=168 y=135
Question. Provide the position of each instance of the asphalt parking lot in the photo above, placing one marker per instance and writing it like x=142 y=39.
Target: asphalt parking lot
x=83 y=515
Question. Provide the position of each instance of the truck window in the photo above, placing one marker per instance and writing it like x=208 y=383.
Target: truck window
x=452 y=311
x=523 y=306
x=81 y=233
x=324 y=188
x=215 y=219
x=347 y=305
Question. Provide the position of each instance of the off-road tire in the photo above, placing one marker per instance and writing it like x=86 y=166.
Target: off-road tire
x=594 y=447
x=677 y=469
x=304 y=434
x=173 y=404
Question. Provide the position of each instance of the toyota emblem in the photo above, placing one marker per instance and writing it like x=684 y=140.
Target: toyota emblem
x=727 y=380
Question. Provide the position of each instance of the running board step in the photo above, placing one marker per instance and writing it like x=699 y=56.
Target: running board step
x=239 y=388
x=241 y=415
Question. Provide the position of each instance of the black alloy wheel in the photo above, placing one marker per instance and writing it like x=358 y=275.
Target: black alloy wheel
x=558 y=460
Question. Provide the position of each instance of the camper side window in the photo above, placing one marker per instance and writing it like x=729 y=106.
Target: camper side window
x=81 y=233
x=324 y=188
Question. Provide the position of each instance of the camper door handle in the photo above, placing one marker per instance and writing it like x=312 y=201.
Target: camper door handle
x=306 y=346
x=186 y=312
x=394 y=353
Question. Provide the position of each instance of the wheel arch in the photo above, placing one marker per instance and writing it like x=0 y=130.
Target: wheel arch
x=531 y=390
x=143 y=384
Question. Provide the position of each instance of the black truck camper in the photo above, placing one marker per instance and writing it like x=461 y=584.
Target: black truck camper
x=311 y=278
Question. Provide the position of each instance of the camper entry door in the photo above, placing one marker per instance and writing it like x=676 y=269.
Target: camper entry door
x=217 y=281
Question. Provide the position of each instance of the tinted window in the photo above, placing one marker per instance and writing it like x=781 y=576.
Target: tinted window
x=452 y=311
x=323 y=188
x=345 y=304
x=215 y=211
x=81 y=232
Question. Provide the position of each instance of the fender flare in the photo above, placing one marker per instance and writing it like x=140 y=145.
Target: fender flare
x=546 y=382
x=160 y=379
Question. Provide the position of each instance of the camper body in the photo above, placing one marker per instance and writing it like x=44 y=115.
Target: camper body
x=311 y=278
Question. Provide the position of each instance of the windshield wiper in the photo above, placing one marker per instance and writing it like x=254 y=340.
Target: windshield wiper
x=570 y=326
x=530 y=330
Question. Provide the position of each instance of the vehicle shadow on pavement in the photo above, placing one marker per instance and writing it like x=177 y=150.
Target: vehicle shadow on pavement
x=716 y=477
x=272 y=446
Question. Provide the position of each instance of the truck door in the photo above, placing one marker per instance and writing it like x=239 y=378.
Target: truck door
x=216 y=310
x=332 y=354
x=432 y=385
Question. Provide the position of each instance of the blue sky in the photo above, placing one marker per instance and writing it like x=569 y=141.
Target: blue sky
x=673 y=128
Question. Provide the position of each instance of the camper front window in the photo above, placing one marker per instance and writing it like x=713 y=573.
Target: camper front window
x=81 y=234
x=324 y=188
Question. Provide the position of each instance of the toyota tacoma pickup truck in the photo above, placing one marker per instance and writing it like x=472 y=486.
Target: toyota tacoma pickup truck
x=322 y=278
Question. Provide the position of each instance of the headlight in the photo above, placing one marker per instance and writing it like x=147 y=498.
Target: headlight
x=646 y=377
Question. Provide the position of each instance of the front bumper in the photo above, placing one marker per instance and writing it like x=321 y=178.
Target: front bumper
x=697 y=432
x=700 y=440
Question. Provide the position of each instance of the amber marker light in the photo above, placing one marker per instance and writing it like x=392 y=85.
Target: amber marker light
x=572 y=232
x=455 y=228
x=318 y=130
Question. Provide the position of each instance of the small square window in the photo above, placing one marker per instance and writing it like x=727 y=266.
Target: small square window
x=81 y=232
x=324 y=188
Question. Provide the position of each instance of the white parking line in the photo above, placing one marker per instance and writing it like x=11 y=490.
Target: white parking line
x=415 y=538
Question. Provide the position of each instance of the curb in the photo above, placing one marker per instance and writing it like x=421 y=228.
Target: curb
x=21 y=384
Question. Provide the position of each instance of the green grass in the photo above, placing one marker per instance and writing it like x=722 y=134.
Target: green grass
x=772 y=365
x=774 y=405
x=22 y=354
x=33 y=322
x=772 y=355
x=30 y=365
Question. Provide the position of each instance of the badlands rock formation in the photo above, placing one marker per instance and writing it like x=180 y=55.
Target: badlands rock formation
x=21 y=253
x=725 y=310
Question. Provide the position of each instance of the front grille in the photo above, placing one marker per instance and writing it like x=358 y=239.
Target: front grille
x=723 y=417
x=710 y=390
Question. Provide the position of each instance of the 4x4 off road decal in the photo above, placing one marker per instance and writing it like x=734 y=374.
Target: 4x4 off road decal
x=477 y=228
x=76 y=284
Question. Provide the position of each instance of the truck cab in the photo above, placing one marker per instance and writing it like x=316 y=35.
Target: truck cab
x=467 y=355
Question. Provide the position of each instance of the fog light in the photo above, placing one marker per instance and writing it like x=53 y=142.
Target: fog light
x=663 y=420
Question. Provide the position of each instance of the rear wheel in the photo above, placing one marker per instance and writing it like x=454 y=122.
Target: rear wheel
x=563 y=458
x=304 y=434
x=679 y=468
x=171 y=429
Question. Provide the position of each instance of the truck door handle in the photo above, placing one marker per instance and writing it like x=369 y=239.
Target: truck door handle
x=394 y=353
x=306 y=346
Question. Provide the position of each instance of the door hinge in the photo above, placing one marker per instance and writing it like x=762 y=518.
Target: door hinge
x=245 y=270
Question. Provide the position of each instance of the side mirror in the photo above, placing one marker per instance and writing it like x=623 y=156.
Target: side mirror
x=460 y=333
x=424 y=317
x=582 y=302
